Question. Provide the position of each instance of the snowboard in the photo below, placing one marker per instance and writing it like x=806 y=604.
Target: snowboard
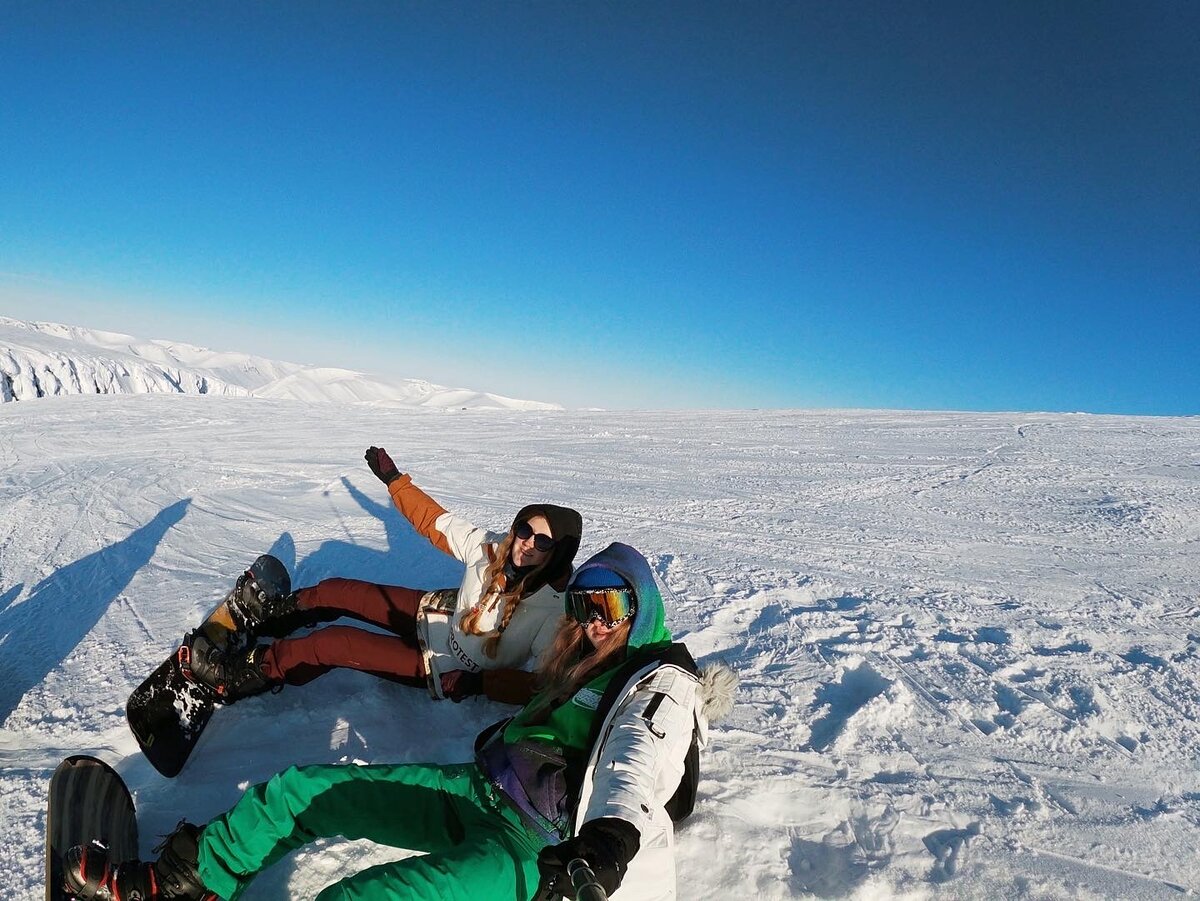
x=88 y=800
x=168 y=712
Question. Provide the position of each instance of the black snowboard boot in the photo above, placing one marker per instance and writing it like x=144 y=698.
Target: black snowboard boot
x=255 y=605
x=230 y=676
x=88 y=875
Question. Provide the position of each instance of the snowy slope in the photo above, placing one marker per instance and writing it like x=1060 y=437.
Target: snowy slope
x=43 y=359
x=968 y=643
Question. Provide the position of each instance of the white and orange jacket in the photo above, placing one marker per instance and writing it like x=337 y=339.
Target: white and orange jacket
x=444 y=644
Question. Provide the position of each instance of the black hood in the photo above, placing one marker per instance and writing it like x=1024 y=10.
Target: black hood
x=566 y=528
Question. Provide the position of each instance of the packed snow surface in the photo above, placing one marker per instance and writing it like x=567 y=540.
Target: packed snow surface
x=968 y=647
x=45 y=359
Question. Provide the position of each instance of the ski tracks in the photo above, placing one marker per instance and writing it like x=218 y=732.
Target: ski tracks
x=962 y=639
x=846 y=729
x=891 y=697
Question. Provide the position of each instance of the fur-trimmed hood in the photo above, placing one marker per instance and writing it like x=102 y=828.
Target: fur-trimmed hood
x=718 y=687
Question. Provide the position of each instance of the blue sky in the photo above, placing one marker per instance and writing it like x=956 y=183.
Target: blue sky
x=958 y=205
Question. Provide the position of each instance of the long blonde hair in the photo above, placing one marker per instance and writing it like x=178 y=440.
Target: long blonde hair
x=494 y=593
x=564 y=668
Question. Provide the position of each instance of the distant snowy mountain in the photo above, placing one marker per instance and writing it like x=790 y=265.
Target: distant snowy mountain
x=45 y=359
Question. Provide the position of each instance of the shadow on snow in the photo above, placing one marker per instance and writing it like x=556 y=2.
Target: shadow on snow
x=40 y=633
x=409 y=558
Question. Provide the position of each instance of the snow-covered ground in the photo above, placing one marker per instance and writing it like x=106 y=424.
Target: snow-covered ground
x=968 y=644
x=46 y=359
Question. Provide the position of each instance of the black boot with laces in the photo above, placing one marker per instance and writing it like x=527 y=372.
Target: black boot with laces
x=89 y=876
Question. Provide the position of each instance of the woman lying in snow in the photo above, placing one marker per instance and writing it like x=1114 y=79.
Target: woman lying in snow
x=595 y=766
x=480 y=638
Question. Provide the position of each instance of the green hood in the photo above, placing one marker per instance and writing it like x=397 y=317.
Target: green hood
x=649 y=623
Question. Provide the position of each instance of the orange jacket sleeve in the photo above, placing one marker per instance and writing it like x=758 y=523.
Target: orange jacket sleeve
x=419 y=509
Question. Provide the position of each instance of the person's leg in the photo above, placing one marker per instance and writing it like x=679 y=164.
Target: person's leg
x=417 y=807
x=491 y=855
x=296 y=661
x=487 y=865
x=393 y=607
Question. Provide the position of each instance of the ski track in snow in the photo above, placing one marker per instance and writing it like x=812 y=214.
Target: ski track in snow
x=967 y=643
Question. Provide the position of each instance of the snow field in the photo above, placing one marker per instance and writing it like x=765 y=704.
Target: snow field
x=967 y=643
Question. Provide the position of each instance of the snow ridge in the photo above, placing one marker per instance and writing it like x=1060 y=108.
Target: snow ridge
x=46 y=359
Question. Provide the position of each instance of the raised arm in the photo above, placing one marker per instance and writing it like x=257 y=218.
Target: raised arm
x=418 y=507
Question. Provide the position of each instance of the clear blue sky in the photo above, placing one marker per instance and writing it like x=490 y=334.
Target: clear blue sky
x=956 y=205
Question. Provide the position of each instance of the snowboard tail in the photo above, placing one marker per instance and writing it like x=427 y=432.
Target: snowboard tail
x=167 y=713
x=87 y=800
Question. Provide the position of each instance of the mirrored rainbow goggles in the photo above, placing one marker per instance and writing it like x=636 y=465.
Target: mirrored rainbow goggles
x=612 y=606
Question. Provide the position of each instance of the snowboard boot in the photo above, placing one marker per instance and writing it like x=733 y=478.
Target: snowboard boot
x=89 y=876
x=275 y=618
x=255 y=607
x=230 y=676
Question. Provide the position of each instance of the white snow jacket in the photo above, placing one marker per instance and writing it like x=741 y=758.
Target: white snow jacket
x=447 y=647
x=444 y=644
x=636 y=766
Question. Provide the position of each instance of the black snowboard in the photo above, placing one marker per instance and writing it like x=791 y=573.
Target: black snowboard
x=87 y=801
x=168 y=711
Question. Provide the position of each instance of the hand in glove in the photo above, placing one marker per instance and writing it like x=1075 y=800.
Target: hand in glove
x=607 y=844
x=459 y=683
x=381 y=464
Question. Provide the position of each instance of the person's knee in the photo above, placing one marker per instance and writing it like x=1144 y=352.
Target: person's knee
x=327 y=591
x=283 y=781
x=335 y=892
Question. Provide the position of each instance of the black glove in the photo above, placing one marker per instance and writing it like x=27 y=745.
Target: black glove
x=459 y=683
x=607 y=844
x=381 y=464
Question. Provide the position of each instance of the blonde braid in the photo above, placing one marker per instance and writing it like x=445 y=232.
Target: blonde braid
x=491 y=644
x=493 y=579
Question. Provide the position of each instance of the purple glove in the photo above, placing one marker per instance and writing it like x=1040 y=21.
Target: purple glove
x=459 y=683
x=381 y=464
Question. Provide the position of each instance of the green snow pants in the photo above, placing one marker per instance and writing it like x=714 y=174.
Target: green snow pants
x=477 y=846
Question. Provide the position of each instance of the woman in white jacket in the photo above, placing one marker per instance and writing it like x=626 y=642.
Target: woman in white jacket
x=593 y=767
x=605 y=757
x=482 y=637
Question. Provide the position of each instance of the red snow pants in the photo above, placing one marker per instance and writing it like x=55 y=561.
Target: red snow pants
x=396 y=656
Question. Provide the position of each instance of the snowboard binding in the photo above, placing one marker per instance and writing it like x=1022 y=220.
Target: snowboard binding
x=228 y=675
x=216 y=663
x=88 y=875
x=262 y=594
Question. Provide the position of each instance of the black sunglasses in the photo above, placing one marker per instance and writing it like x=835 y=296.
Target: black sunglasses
x=542 y=542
